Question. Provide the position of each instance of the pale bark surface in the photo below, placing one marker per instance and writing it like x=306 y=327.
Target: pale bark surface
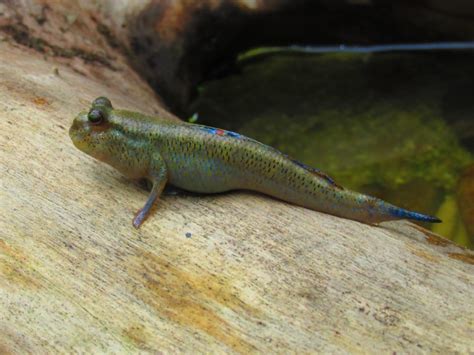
x=236 y=272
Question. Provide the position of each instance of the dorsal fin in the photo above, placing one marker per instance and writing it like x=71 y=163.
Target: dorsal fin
x=318 y=173
x=223 y=132
x=220 y=132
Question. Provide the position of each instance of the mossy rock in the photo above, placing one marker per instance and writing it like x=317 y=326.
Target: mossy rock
x=377 y=123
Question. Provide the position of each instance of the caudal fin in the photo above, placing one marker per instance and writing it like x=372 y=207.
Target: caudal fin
x=405 y=214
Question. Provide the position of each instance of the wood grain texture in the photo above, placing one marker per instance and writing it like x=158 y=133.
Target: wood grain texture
x=236 y=272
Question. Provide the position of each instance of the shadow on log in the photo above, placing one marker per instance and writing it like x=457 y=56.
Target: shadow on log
x=236 y=272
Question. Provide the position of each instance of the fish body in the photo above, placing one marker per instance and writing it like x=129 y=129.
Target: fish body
x=209 y=160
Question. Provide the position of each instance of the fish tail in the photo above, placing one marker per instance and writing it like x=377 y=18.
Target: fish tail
x=401 y=213
x=374 y=210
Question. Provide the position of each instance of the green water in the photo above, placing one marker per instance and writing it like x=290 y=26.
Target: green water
x=397 y=126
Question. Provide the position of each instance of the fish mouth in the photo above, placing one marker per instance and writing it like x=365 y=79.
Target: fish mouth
x=78 y=135
x=74 y=132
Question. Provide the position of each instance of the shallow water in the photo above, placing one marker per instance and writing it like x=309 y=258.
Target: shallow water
x=399 y=126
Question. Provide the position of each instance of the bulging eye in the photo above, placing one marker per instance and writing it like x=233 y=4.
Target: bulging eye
x=95 y=116
x=102 y=101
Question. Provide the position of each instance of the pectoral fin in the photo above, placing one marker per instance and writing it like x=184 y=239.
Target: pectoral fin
x=158 y=178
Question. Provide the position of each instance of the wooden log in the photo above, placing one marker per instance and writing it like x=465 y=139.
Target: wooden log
x=236 y=272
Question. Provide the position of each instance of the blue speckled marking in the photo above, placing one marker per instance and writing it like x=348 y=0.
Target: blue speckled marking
x=220 y=132
x=232 y=134
x=403 y=213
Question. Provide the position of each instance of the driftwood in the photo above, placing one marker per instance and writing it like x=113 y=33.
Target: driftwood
x=235 y=272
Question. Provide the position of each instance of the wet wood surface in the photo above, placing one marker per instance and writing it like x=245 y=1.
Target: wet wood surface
x=235 y=272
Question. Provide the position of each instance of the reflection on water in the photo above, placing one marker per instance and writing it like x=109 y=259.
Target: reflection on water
x=399 y=126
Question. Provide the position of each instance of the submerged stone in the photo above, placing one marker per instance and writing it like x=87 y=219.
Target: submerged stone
x=375 y=123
